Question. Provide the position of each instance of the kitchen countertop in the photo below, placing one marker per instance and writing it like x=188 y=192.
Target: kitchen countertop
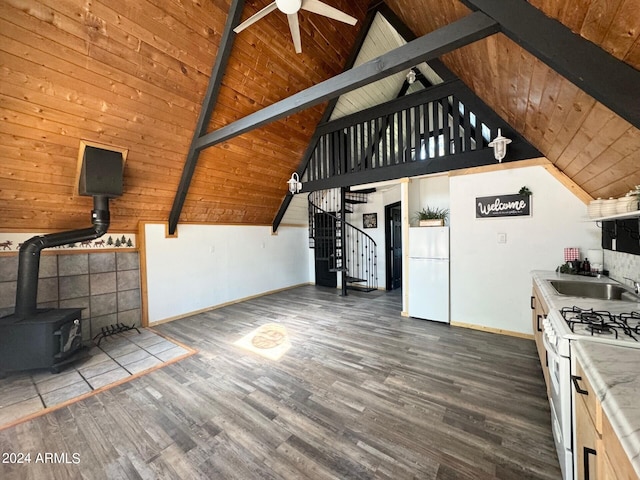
x=612 y=369
x=613 y=373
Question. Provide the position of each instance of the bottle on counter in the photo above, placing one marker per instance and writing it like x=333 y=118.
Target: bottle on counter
x=586 y=266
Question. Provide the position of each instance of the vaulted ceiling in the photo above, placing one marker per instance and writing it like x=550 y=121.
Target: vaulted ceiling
x=133 y=75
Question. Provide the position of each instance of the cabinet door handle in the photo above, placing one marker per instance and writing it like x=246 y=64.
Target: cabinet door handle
x=533 y=305
x=546 y=358
x=574 y=379
x=538 y=322
x=587 y=451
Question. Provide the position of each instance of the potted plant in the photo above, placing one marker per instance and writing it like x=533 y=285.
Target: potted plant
x=524 y=191
x=432 y=217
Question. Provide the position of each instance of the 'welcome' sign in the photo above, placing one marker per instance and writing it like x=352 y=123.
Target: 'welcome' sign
x=503 y=206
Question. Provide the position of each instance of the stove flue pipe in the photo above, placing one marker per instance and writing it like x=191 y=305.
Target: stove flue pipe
x=29 y=259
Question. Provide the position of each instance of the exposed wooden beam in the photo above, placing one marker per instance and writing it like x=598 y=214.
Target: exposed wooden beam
x=450 y=37
x=610 y=81
x=209 y=102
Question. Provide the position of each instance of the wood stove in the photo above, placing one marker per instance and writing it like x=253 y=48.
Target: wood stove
x=50 y=338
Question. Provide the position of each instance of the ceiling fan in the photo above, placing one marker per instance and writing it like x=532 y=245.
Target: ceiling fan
x=291 y=8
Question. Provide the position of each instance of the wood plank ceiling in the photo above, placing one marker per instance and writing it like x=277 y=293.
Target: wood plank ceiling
x=133 y=75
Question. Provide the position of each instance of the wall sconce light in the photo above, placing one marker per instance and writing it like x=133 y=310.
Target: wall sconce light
x=499 y=145
x=295 y=185
x=411 y=77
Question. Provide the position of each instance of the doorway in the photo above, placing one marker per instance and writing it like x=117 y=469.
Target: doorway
x=393 y=245
x=325 y=249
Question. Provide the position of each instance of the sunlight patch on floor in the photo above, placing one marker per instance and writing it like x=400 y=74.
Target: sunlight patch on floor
x=270 y=341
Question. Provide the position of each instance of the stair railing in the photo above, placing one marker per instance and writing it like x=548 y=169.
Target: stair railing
x=347 y=248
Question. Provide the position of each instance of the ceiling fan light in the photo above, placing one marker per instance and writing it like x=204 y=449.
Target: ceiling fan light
x=289 y=6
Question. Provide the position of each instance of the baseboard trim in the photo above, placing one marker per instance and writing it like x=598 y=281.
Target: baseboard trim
x=226 y=304
x=499 y=331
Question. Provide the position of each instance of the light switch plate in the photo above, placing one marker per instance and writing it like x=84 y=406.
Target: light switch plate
x=502 y=238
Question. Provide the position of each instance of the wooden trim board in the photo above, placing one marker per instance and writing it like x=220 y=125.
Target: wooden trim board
x=498 y=167
x=144 y=296
x=499 y=331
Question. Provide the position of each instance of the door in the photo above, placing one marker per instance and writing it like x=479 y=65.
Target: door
x=393 y=237
x=325 y=250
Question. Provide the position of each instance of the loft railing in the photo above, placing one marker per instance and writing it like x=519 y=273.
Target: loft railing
x=346 y=248
x=433 y=128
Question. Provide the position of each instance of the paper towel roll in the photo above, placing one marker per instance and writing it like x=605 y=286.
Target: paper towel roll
x=595 y=256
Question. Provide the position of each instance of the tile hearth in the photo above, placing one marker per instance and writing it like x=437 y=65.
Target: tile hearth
x=118 y=358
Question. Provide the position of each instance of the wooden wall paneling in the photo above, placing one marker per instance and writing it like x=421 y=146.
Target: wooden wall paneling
x=573 y=13
x=623 y=161
x=623 y=31
x=536 y=89
x=633 y=55
x=548 y=102
x=509 y=66
x=610 y=133
x=601 y=125
x=120 y=82
x=95 y=125
x=161 y=29
x=81 y=93
x=36 y=17
x=598 y=19
x=618 y=185
x=582 y=105
x=104 y=37
x=597 y=166
x=525 y=63
x=561 y=109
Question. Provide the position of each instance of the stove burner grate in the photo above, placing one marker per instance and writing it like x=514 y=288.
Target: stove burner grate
x=602 y=322
x=602 y=329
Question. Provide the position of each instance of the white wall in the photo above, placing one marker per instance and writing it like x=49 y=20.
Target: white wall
x=490 y=281
x=376 y=203
x=432 y=191
x=209 y=265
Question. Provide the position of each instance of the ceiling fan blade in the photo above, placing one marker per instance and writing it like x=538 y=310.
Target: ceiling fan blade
x=254 y=18
x=294 y=26
x=316 y=6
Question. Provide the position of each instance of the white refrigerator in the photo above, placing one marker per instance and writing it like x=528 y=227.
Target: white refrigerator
x=429 y=273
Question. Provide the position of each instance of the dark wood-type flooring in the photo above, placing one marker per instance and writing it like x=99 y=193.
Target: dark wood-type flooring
x=363 y=393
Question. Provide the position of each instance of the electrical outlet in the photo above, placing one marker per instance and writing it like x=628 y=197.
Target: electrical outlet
x=502 y=238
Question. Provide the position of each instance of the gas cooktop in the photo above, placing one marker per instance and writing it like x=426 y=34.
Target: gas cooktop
x=621 y=327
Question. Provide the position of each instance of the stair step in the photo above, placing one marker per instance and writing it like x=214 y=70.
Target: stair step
x=355 y=280
x=360 y=288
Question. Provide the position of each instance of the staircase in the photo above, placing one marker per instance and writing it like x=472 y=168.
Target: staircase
x=347 y=249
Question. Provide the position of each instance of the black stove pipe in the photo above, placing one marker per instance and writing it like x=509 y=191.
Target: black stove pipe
x=29 y=259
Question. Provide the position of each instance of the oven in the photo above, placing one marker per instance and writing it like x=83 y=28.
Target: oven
x=560 y=393
x=560 y=328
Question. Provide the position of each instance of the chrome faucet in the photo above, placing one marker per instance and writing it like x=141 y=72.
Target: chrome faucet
x=636 y=284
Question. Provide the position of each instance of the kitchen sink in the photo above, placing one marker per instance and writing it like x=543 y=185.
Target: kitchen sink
x=603 y=291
